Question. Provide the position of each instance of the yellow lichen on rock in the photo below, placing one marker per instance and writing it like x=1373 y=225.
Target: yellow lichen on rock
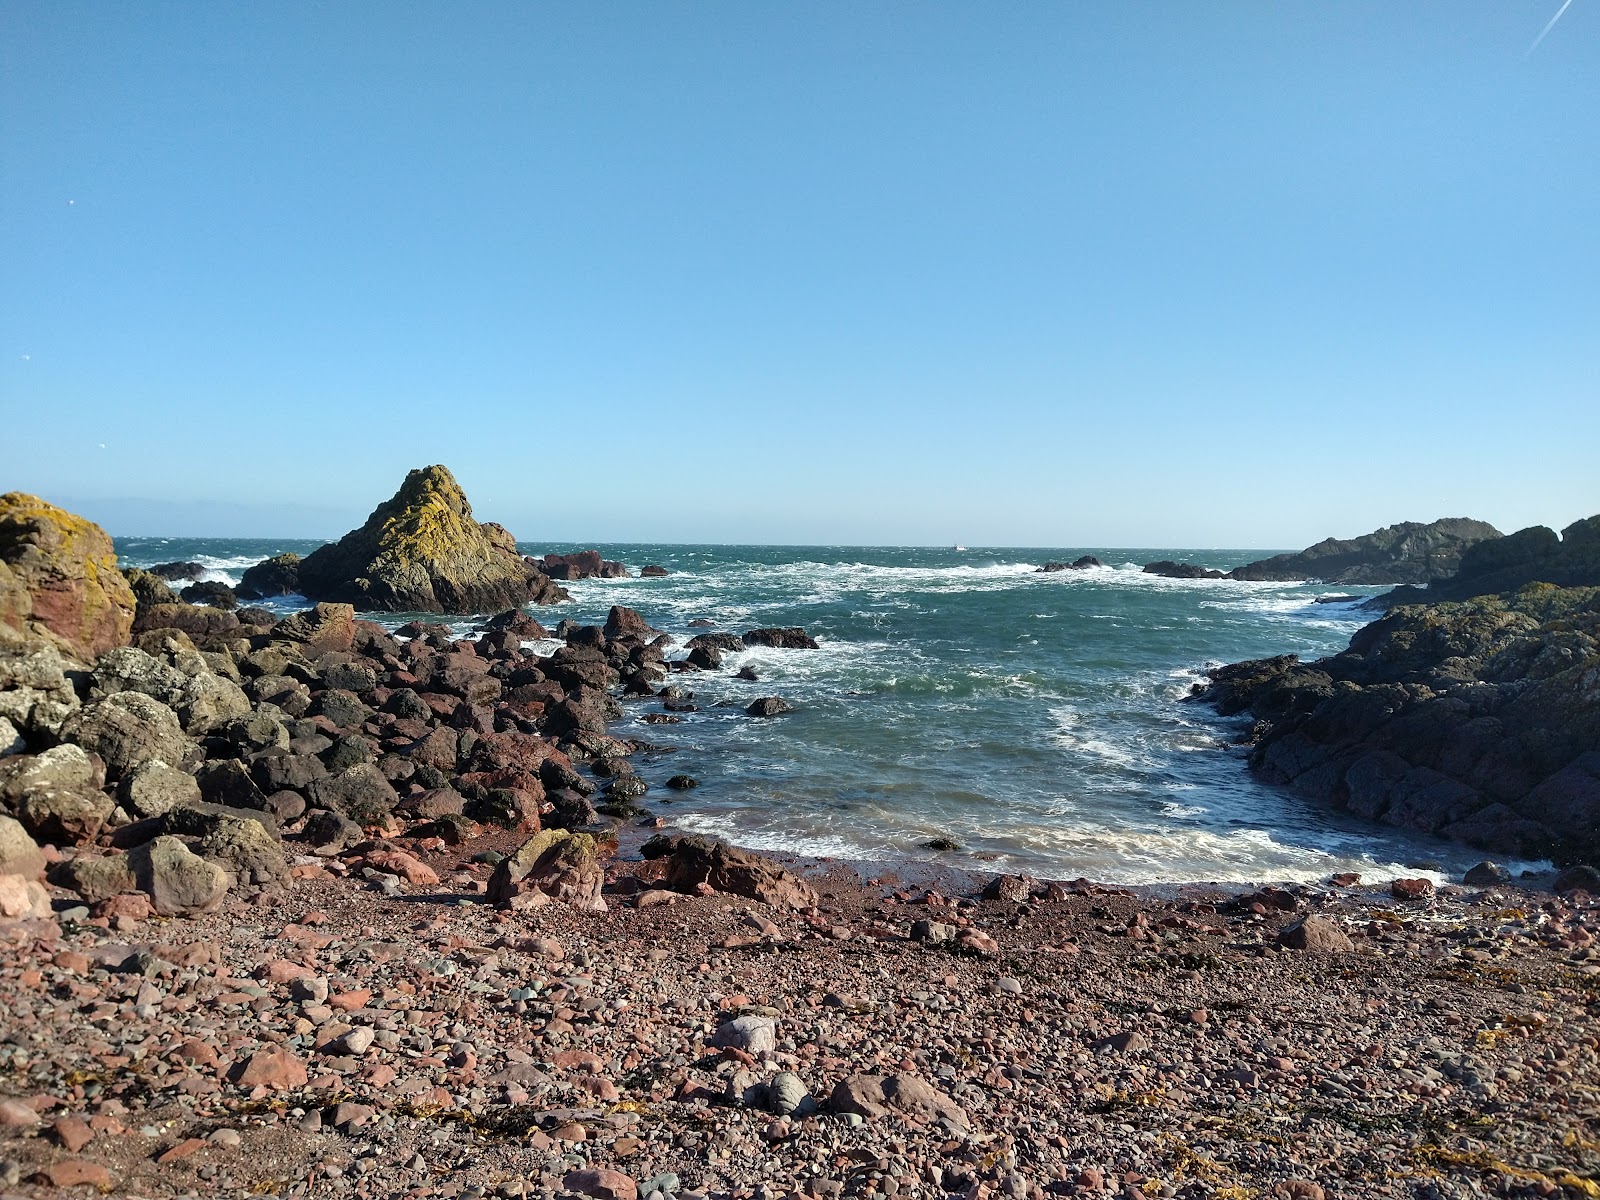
x=59 y=578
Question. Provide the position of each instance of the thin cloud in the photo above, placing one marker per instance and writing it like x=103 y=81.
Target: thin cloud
x=1566 y=4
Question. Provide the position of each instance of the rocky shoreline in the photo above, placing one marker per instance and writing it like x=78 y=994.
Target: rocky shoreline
x=297 y=906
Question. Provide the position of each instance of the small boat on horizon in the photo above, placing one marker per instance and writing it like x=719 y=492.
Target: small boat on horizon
x=958 y=547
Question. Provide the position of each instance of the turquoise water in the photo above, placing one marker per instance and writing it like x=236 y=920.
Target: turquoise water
x=1034 y=719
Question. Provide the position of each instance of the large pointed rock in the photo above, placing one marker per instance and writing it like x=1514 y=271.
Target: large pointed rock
x=59 y=578
x=422 y=552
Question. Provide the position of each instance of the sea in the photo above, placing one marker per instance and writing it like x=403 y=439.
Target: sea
x=1036 y=720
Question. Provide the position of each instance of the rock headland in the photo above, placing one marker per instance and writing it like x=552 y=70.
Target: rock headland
x=1408 y=553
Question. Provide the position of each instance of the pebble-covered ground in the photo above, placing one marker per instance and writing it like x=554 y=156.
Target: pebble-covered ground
x=329 y=1040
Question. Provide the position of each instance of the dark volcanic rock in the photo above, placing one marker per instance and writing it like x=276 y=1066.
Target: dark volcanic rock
x=585 y=564
x=1478 y=721
x=769 y=706
x=422 y=552
x=1077 y=564
x=277 y=576
x=1532 y=555
x=1177 y=570
x=174 y=571
x=217 y=595
x=652 y=571
x=1410 y=552
x=782 y=639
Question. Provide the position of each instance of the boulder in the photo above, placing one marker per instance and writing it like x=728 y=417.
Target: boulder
x=61 y=768
x=174 y=571
x=320 y=628
x=625 y=622
x=212 y=593
x=59 y=578
x=875 y=1096
x=1316 y=934
x=178 y=881
x=96 y=879
x=247 y=849
x=769 y=706
x=360 y=793
x=148 y=589
x=19 y=853
x=23 y=899
x=35 y=694
x=276 y=576
x=421 y=551
x=781 y=639
x=197 y=620
x=65 y=817
x=555 y=864
x=1077 y=564
x=698 y=860
x=652 y=571
x=152 y=788
x=126 y=729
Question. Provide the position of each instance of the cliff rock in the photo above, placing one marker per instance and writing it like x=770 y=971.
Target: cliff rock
x=1532 y=555
x=1409 y=552
x=1477 y=721
x=421 y=551
x=59 y=578
x=277 y=576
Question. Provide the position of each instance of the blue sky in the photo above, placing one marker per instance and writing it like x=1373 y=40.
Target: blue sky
x=1038 y=274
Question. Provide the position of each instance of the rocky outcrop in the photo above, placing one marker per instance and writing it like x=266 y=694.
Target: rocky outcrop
x=1085 y=563
x=421 y=551
x=1410 y=552
x=276 y=576
x=1532 y=555
x=59 y=578
x=1477 y=721
x=1168 y=569
x=585 y=564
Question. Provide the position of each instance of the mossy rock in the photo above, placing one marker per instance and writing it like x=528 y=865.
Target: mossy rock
x=59 y=578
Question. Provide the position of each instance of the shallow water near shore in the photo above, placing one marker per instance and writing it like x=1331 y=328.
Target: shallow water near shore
x=1037 y=720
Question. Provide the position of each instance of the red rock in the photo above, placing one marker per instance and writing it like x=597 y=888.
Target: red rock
x=273 y=1068
x=182 y=1150
x=17 y=1114
x=577 y=1059
x=1411 y=889
x=281 y=970
x=76 y=1172
x=397 y=862
x=133 y=906
x=198 y=1053
x=351 y=1000
x=71 y=960
x=600 y=1182
x=73 y=1133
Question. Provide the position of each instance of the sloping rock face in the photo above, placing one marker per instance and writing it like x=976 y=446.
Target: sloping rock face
x=1409 y=552
x=1478 y=721
x=59 y=578
x=277 y=576
x=1532 y=555
x=421 y=551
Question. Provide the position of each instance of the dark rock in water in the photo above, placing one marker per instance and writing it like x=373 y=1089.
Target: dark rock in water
x=726 y=642
x=653 y=572
x=585 y=564
x=707 y=658
x=1473 y=720
x=1410 y=552
x=781 y=639
x=701 y=623
x=174 y=571
x=256 y=617
x=748 y=674
x=1078 y=564
x=624 y=623
x=942 y=845
x=421 y=551
x=682 y=783
x=769 y=706
x=277 y=576
x=697 y=860
x=1486 y=874
x=1176 y=570
x=217 y=595
x=59 y=579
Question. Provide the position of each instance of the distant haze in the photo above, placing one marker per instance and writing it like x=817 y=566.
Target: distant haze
x=1052 y=275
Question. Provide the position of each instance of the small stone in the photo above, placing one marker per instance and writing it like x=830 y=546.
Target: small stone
x=73 y=1133
x=15 y=1114
x=180 y=1151
x=602 y=1183
x=274 y=1068
x=753 y=1035
x=1317 y=934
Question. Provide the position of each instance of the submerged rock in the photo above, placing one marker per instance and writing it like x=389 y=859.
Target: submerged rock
x=421 y=551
